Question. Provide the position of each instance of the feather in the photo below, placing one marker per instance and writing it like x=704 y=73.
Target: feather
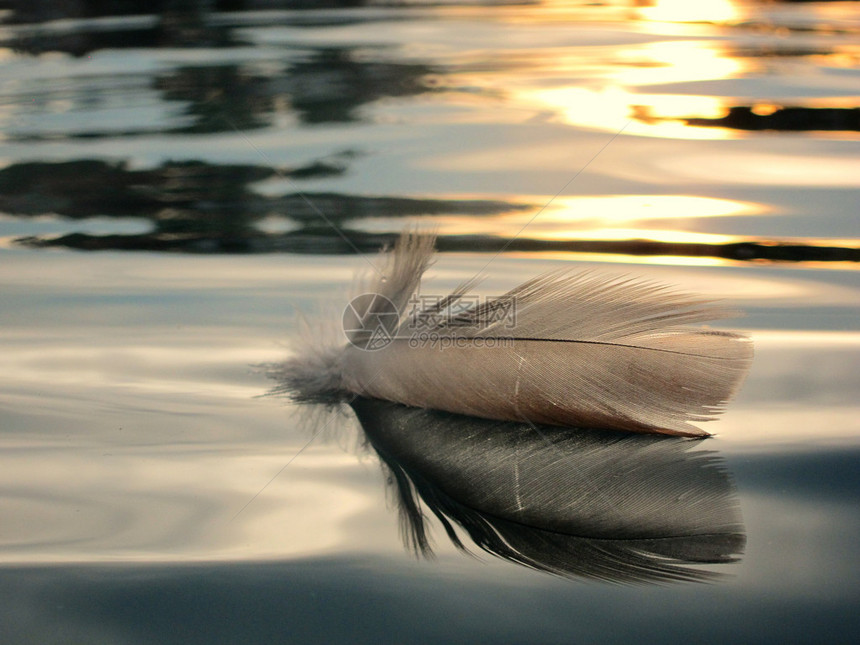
x=552 y=498
x=566 y=348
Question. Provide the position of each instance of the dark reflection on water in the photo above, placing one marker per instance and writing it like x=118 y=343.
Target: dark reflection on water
x=201 y=207
x=328 y=86
x=332 y=85
x=786 y=119
x=177 y=24
x=573 y=502
x=46 y=10
x=780 y=119
x=218 y=98
x=178 y=236
x=89 y=187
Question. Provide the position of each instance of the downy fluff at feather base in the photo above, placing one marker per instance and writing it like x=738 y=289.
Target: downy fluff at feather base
x=581 y=349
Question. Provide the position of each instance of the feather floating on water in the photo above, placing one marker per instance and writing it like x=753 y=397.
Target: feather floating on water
x=566 y=348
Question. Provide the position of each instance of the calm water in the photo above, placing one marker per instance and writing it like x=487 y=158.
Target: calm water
x=175 y=187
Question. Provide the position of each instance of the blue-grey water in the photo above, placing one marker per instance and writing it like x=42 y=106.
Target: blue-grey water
x=176 y=186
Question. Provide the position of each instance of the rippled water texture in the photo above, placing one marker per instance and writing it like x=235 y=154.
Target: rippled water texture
x=175 y=187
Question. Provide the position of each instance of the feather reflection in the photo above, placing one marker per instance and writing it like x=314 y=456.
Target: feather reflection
x=573 y=502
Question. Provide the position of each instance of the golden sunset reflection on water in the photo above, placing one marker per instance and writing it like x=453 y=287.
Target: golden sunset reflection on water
x=608 y=217
x=681 y=11
x=681 y=69
x=620 y=92
x=633 y=208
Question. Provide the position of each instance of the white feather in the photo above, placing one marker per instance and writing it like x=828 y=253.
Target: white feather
x=583 y=349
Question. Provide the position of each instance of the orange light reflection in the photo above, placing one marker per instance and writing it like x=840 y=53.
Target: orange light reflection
x=604 y=217
x=616 y=258
x=713 y=11
x=652 y=86
x=620 y=90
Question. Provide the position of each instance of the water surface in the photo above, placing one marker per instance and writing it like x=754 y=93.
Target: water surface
x=175 y=187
